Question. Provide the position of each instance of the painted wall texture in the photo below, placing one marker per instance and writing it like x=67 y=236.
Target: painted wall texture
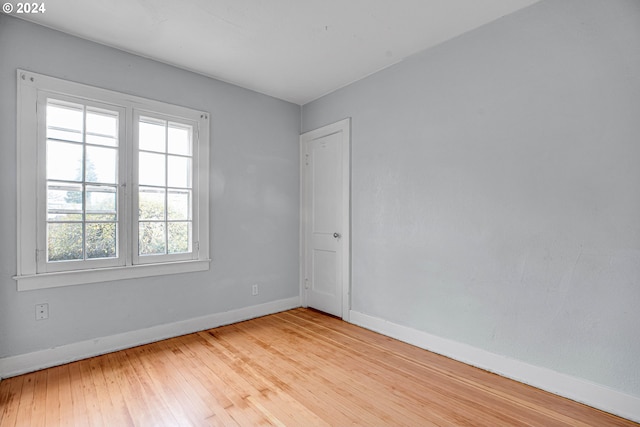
x=254 y=198
x=495 y=189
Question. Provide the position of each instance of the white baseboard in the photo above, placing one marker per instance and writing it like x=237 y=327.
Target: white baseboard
x=591 y=394
x=29 y=362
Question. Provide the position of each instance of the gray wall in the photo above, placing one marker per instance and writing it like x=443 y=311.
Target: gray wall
x=254 y=204
x=495 y=189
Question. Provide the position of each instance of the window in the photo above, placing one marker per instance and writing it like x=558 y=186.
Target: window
x=119 y=188
x=80 y=152
x=165 y=188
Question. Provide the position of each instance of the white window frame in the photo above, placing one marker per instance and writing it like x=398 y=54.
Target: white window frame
x=42 y=266
x=33 y=88
x=154 y=259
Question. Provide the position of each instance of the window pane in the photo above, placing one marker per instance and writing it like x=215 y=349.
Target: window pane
x=179 y=205
x=101 y=240
x=179 y=237
x=64 y=121
x=64 y=241
x=64 y=161
x=67 y=115
x=179 y=172
x=151 y=169
x=152 y=135
x=151 y=203
x=101 y=199
x=151 y=238
x=103 y=123
x=64 y=199
x=179 y=139
x=102 y=165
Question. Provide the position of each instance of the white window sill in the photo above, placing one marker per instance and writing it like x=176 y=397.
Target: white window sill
x=80 y=277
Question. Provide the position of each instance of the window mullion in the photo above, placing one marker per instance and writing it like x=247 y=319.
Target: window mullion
x=84 y=182
x=166 y=188
x=132 y=212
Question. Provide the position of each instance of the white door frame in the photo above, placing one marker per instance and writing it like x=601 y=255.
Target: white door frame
x=343 y=126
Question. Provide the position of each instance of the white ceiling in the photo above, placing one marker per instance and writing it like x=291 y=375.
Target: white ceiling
x=296 y=50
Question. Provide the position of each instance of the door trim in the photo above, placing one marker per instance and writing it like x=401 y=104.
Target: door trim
x=343 y=126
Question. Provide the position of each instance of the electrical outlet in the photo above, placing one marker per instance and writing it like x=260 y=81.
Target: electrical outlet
x=254 y=290
x=42 y=311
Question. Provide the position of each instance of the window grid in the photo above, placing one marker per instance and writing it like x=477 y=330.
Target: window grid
x=180 y=240
x=60 y=243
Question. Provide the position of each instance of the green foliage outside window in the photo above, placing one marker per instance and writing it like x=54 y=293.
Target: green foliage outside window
x=65 y=239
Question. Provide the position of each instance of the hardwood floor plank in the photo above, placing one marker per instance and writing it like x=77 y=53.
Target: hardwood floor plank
x=26 y=399
x=38 y=403
x=261 y=372
x=237 y=388
x=201 y=383
x=79 y=407
x=65 y=397
x=150 y=364
x=317 y=368
x=296 y=368
x=94 y=407
x=206 y=408
x=10 y=397
x=53 y=403
x=290 y=381
x=144 y=406
x=114 y=412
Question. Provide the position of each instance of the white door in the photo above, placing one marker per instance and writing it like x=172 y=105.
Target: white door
x=325 y=263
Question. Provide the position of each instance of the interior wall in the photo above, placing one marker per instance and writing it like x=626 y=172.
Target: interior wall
x=495 y=187
x=254 y=198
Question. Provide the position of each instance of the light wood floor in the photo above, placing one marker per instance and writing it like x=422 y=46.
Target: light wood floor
x=297 y=368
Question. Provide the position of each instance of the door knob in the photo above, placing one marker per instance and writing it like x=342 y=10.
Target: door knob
x=336 y=235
